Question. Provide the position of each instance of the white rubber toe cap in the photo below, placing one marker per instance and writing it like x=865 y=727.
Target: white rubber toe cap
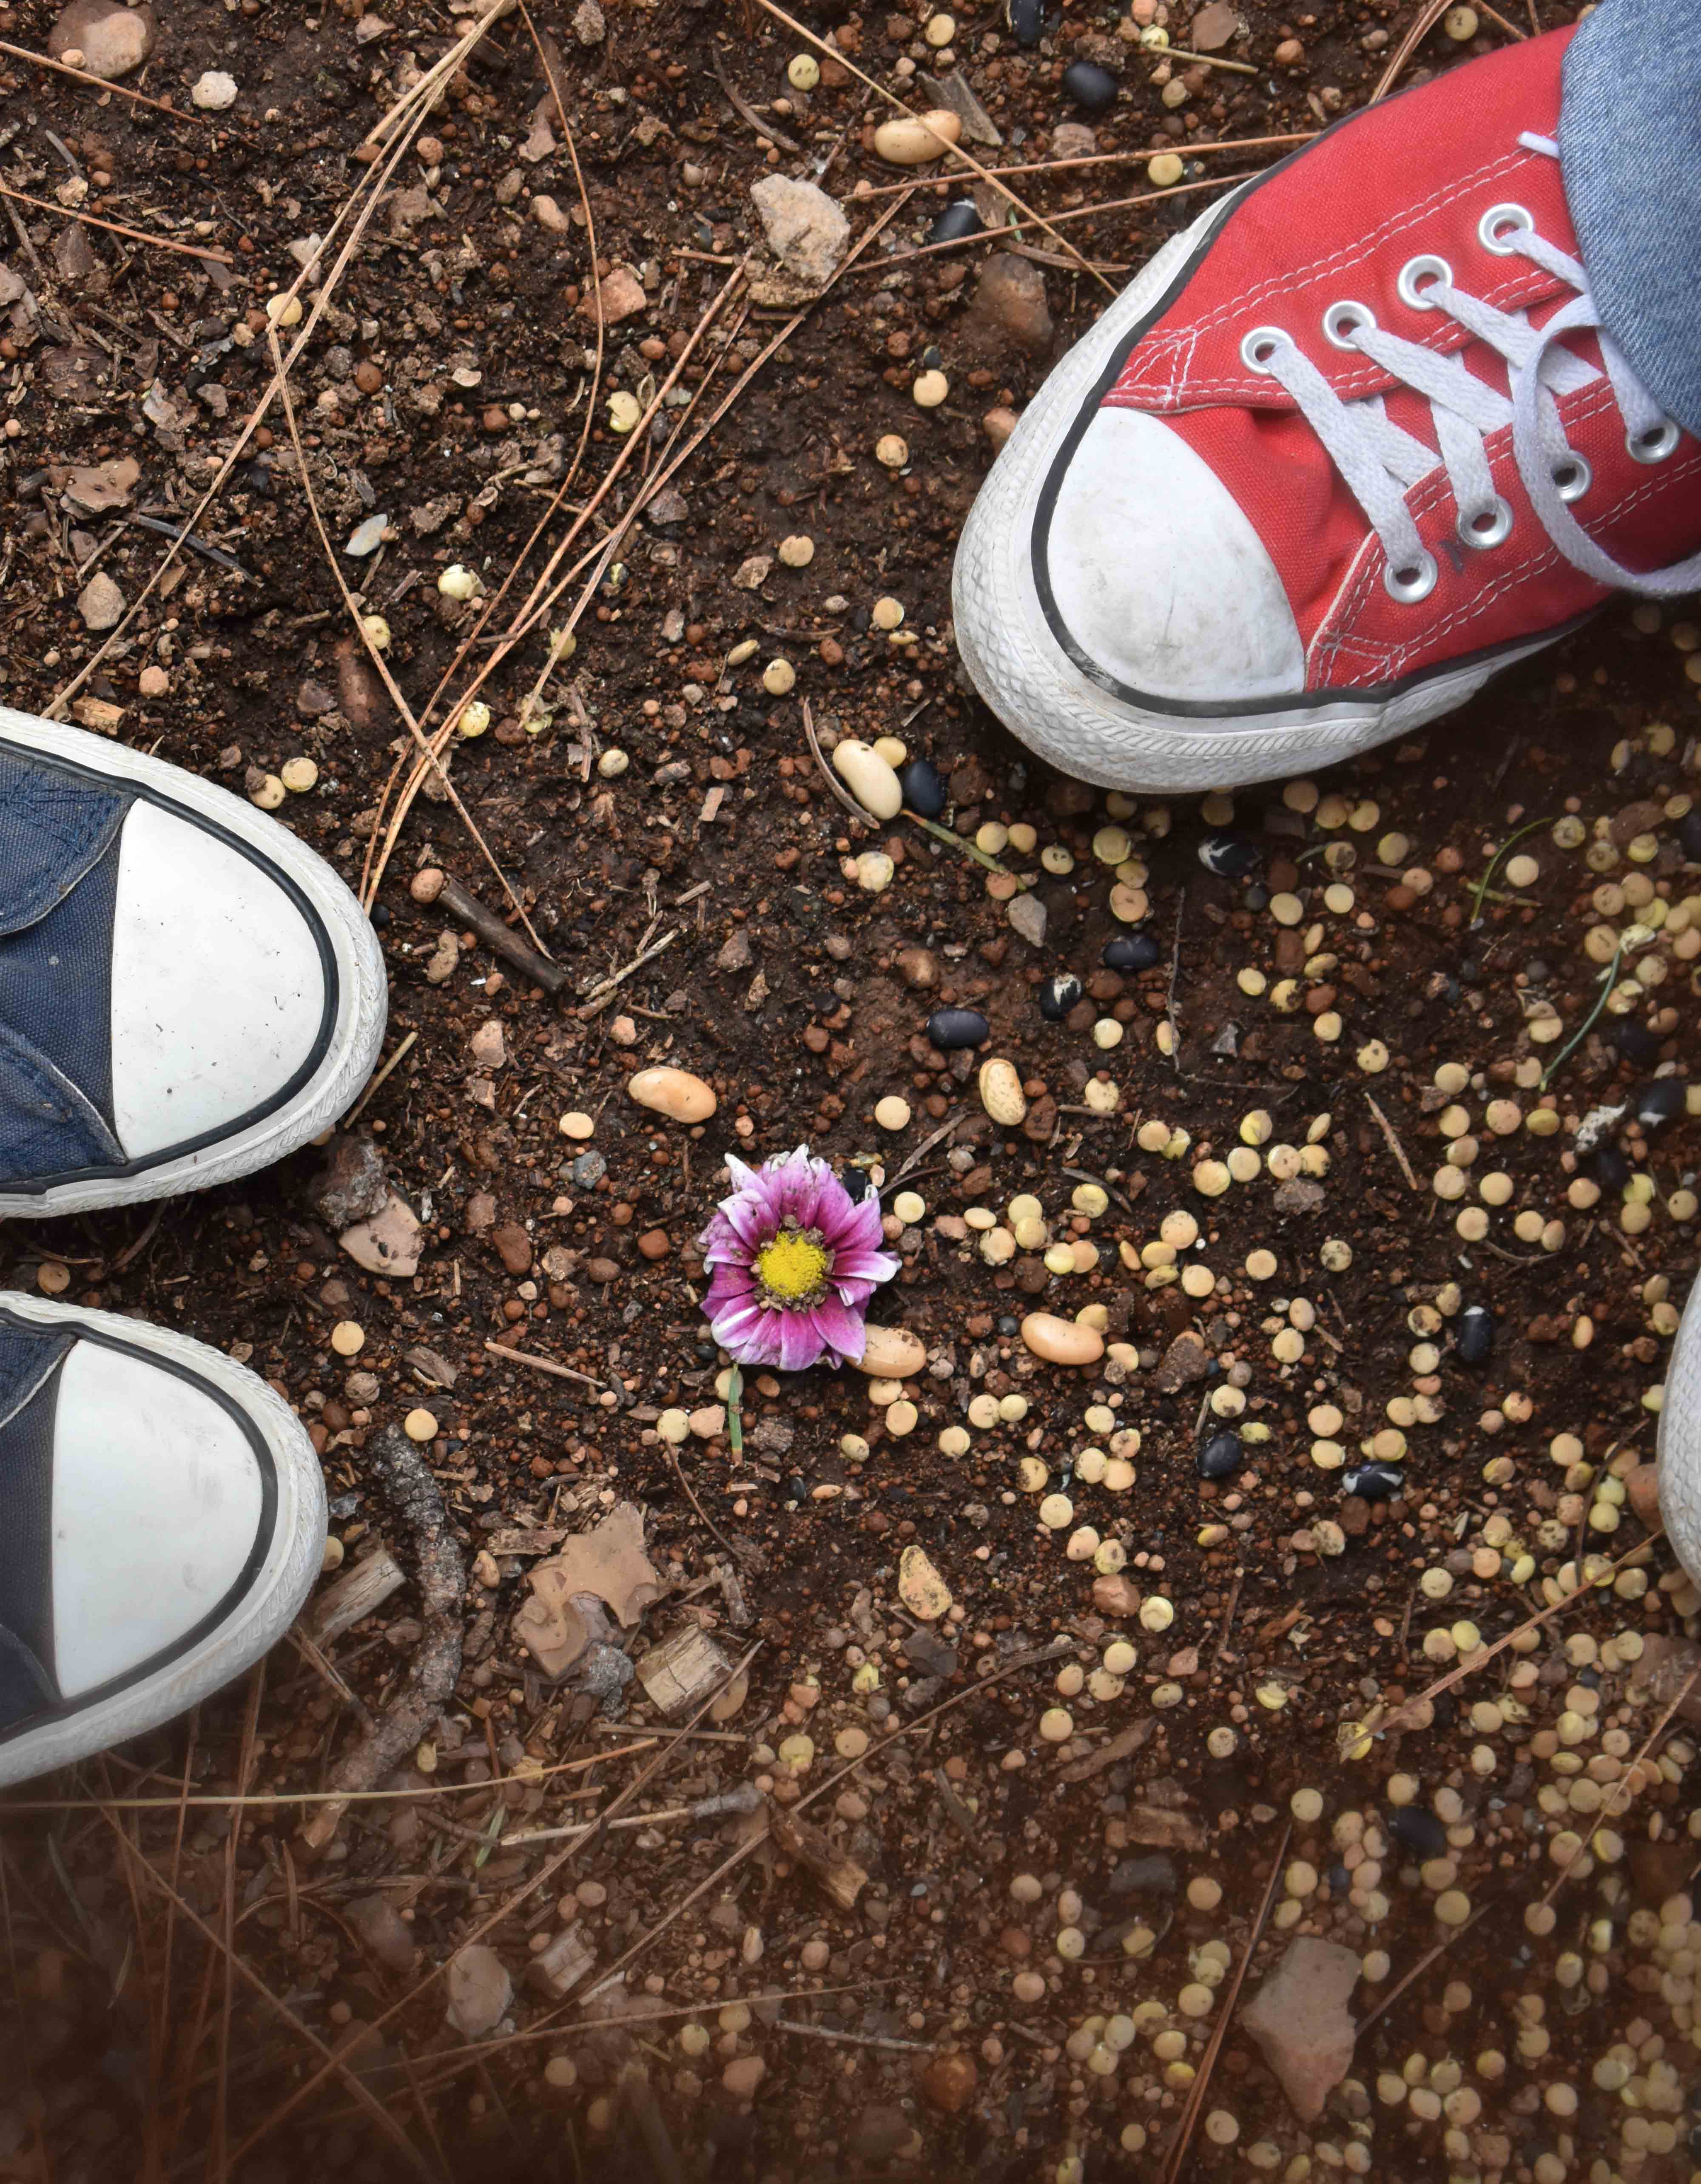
x=218 y=989
x=1158 y=581
x=159 y=1509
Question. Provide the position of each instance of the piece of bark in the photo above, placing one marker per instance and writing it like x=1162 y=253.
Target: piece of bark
x=357 y=1593
x=558 y=1969
x=842 y=1878
x=421 y=1525
x=683 y=1670
x=1123 y=1746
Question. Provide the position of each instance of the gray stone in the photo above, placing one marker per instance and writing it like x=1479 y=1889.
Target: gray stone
x=930 y=1654
x=382 y=1930
x=1145 y=1877
x=1027 y=913
x=589 y=1170
x=1300 y=2019
x=805 y=230
x=480 y=1991
x=366 y=538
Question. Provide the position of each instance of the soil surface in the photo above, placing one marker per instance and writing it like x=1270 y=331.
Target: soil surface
x=1171 y=1719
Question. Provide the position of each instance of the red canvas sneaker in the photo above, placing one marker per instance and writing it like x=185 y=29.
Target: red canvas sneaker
x=1349 y=445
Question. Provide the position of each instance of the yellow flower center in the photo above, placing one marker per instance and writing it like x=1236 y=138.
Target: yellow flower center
x=793 y=1266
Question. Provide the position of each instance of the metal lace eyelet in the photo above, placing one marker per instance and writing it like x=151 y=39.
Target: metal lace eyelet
x=1573 y=477
x=1411 y=584
x=1433 y=272
x=1487 y=527
x=1653 y=447
x=1261 y=344
x=1340 y=321
x=1500 y=224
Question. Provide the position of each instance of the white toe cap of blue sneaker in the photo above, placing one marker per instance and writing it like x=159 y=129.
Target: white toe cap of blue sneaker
x=219 y=988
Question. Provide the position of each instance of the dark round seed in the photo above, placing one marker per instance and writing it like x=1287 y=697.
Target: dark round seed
x=1089 y=86
x=1662 y=1101
x=1230 y=856
x=923 y=790
x=1026 y=20
x=951 y=1027
x=856 y=1184
x=1635 y=1041
x=1475 y=1336
x=1612 y=1171
x=1417 y=1827
x=1256 y=898
x=1058 y=995
x=1689 y=835
x=955 y=222
x=1375 y=1481
x=1221 y=1457
x=1130 y=951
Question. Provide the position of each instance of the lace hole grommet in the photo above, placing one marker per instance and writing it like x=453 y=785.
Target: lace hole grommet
x=1500 y=224
x=1413 y=583
x=1573 y=477
x=1340 y=321
x=1418 y=276
x=1653 y=447
x=1260 y=345
x=1487 y=527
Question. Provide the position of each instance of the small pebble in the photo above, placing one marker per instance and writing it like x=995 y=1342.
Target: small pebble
x=675 y=1093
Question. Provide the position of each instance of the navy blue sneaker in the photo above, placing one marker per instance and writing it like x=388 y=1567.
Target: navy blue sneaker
x=162 y=1519
x=187 y=991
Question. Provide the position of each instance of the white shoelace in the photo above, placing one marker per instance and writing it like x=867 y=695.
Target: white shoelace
x=1380 y=463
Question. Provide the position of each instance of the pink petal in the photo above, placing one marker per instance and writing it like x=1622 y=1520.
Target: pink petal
x=726 y=1285
x=861 y=1265
x=839 y=1325
x=800 y=1345
x=743 y=1331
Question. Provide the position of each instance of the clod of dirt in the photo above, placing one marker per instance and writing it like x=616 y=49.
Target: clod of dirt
x=214 y=91
x=623 y=296
x=1300 y=2019
x=805 y=228
x=98 y=489
x=100 y=603
x=480 y=1991
x=113 y=40
x=608 y=1565
x=352 y=1186
x=1185 y=1361
x=1009 y=310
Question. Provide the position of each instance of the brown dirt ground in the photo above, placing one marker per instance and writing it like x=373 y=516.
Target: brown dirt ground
x=782 y=986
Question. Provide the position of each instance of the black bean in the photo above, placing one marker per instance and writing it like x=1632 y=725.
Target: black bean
x=1130 y=951
x=1230 y=856
x=1662 y=1101
x=1026 y=20
x=1612 y=1171
x=951 y=1027
x=1475 y=1336
x=1375 y=1481
x=957 y=220
x=855 y=1183
x=1221 y=1457
x=923 y=790
x=1417 y=1827
x=1089 y=86
x=1635 y=1041
x=1058 y=995
x=1689 y=835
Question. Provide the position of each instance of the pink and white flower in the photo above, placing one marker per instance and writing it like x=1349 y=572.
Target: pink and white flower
x=795 y=1259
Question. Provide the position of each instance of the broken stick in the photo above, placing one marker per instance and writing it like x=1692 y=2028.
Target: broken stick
x=507 y=944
